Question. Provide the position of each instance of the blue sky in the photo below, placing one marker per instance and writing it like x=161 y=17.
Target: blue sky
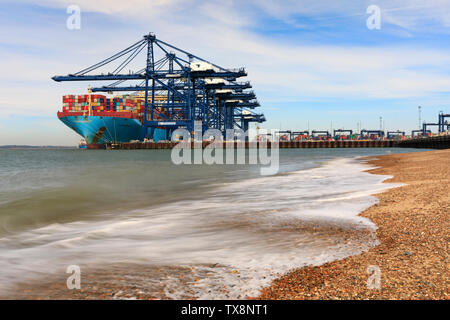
x=310 y=62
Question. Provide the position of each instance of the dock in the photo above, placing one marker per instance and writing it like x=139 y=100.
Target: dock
x=281 y=144
x=435 y=142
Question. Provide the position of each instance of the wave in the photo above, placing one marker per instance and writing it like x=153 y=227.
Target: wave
x=239 y=234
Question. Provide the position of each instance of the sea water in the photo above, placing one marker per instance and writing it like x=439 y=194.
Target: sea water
x=232 y=227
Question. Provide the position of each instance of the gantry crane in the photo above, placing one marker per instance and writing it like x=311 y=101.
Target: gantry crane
x=394 y=134
x=338 y=132
x=443 y=124
x=413 y=132
x=286 y=132
x=194 y=88
x=295 y=134
x=379 y=133
x=320 y=133
x=426 y=125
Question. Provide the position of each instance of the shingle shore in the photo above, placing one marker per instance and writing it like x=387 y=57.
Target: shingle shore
x=413 y=229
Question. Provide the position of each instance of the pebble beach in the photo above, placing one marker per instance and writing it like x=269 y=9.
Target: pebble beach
x=413 y=230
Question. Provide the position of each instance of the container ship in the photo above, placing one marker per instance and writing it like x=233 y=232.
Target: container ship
x=183 y=87
x=100 y=120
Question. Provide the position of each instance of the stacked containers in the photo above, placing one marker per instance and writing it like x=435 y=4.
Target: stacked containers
x=73 y=103
x=99 y=103
x=129 y=104
x=117 y=104
x=80 y=103
x=138 y=106
x=68 y=101
x=109 y=107
x=121 y=104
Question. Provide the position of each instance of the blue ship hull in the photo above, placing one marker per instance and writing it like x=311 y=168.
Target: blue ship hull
x=108 y=129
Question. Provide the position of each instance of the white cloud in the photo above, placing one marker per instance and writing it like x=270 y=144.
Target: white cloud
x=221 y=31
x=408 y=14
x=217 y=30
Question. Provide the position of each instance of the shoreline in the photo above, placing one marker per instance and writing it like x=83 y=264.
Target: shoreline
x=340 y=279
x=413 y=226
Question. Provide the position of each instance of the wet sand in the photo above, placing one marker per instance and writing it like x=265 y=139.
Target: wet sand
x=413 y=229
